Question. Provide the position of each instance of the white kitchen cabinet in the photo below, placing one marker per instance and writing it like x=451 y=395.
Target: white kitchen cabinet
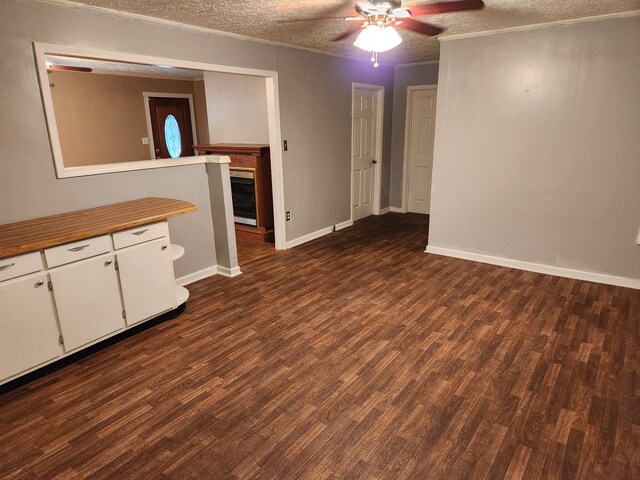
x=87 y=298
x=147 y=280
x=28 y=330
x=72 y=280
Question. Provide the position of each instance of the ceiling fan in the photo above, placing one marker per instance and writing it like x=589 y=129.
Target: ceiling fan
x=377 y=21
x=68 y=68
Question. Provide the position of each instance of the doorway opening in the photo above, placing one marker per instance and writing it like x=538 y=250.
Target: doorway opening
x=251 y=196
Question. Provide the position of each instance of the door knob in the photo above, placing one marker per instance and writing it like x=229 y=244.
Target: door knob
x=374 y=162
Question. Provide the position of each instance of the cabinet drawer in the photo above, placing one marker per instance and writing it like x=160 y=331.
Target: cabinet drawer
x=21 y=265
x=72 y=252
x=140 y=234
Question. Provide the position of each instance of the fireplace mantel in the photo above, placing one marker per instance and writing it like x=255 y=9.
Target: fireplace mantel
x=256 y=150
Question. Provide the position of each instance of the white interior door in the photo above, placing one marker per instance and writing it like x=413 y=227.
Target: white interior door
x=364 y=152
x=421 y=129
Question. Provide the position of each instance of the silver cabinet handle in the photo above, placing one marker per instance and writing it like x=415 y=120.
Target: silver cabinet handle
x=108 y=262
x=140 y=232
x=77 y=249
x=164 y=247
x=8 y=265
x=39 y=283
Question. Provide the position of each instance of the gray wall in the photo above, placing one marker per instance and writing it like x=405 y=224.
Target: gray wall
x=315 y=96
x=404 y=77
x=237 y=108
x=315 y=111
x=537 y=149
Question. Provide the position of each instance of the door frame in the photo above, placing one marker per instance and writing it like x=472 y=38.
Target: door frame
x=147 y=114
x=407 y=133
x=377 y=186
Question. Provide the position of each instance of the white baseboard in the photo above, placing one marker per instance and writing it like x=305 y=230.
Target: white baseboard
x=396 y=210
x=195 y=276
x=318 y=233
x=538 y=267
x=309 y=236
x=343 y=225
x=385 y=210
x=229 y=272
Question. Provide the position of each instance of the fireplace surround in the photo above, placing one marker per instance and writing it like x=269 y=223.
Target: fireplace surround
x=250 y=172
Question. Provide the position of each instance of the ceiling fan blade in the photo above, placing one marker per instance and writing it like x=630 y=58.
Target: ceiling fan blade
x=445 y=7
x=419 y=27
x=66 y=68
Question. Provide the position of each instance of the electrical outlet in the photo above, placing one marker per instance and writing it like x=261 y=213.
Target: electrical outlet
x=288 y=216
x=286 y=146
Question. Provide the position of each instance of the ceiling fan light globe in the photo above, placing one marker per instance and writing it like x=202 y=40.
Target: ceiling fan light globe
x=374 y=38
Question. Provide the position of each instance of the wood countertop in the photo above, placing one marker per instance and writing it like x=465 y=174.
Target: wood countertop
x=45 y=232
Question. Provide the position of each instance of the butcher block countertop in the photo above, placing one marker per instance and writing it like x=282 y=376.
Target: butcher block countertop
x=45 y=232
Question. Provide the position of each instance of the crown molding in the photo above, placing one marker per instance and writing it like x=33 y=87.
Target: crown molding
x=416 y=64
x=195 y=28
x=536 y=26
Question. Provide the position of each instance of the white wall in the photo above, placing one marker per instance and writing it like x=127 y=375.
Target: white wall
x=537 y=148
x=237 y=108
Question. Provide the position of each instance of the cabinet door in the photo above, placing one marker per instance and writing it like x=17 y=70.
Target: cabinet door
x=28 y=330
x=146 y=277
x=88 y=301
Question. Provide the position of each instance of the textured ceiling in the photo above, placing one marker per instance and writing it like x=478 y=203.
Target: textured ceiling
x=263 y=19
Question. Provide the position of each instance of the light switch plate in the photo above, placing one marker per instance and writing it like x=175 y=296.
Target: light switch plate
x=145 y=140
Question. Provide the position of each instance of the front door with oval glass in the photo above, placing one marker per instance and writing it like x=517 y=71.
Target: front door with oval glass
x=171 y=127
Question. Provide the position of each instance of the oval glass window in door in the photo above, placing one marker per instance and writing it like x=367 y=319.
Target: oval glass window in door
x=172 y=136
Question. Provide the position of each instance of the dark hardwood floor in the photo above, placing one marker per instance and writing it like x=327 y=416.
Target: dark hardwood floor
x=249 y=250
x=353 y=356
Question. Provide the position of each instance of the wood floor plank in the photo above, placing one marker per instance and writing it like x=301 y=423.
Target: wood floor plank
x=356 y=355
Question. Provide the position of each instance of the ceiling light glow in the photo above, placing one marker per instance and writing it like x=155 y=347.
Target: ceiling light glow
x=375 y=38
